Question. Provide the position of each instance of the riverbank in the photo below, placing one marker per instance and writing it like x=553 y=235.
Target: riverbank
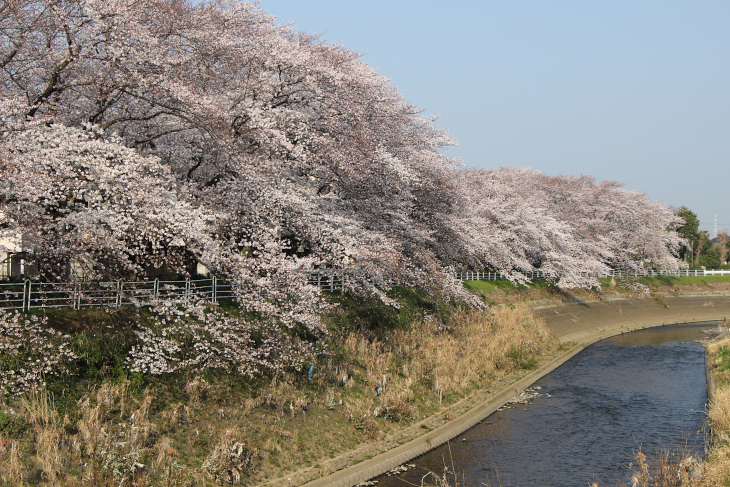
x=716 y=468
x=371 y=393
x=579 y=320
x=584 y=317
x=581 y=317
x=376 y=390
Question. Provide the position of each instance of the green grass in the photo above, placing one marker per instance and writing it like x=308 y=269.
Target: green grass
x=674 y=281
x=504 y=284
x=12 y=426
x=369 y=314
x=487 y=287
x=723 y=360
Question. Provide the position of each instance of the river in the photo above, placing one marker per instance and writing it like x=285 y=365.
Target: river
x=644 y=389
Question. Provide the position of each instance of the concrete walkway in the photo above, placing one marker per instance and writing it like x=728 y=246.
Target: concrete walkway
x=580 y=322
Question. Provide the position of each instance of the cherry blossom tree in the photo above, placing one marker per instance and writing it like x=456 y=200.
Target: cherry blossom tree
x=142 y=133
x=74 y=194
x=292 y=139
x=571 y=228
x=272 y=152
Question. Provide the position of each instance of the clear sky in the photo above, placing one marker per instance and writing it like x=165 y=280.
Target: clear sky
x=636 y=91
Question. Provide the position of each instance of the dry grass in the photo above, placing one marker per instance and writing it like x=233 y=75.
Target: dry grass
x=213 y=436
x=719 y=411
x=474 y=347
x=717 y=464
x=106 y=446
x=667 y=468
x=12 y=468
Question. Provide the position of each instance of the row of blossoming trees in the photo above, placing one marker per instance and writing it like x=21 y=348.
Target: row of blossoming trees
x=130 y=126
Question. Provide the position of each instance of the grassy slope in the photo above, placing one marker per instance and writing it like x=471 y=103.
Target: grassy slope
x=93 y=427
x=503 y=291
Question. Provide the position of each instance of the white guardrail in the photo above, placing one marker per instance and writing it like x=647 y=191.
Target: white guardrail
x=28 y=295
x=493 y=276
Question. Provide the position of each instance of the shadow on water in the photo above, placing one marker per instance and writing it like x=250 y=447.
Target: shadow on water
x=644 y=389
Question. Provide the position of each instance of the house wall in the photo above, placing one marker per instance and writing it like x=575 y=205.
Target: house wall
x=10 y=243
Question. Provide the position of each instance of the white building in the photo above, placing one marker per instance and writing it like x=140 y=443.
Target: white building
x=15 y=248
x=11 y=248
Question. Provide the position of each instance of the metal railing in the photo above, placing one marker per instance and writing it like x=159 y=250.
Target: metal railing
x=494 y=275
x=332 y=280
x=28 y=295
x=43 y=295
x=327 y=280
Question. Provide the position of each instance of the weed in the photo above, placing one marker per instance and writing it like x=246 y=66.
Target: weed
x=659 y=298
x=230 y=459
x=12 y=426
x=666 y=468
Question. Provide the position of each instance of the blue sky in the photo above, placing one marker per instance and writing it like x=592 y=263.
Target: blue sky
x=634 y=91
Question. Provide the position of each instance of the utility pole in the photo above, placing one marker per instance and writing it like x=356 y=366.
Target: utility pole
x=715 y=236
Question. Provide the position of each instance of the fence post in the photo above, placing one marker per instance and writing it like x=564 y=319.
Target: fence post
x=187 y=289
x=120 y=284
x=156 y=289
x=26 y=295
x=215 y=289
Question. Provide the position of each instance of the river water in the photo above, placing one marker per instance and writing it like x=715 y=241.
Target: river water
x=644 y=389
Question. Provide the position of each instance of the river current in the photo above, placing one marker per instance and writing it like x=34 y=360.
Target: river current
x=644 y=389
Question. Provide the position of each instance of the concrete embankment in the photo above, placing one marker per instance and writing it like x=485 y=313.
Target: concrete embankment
x=585 y=322
x=580 y=322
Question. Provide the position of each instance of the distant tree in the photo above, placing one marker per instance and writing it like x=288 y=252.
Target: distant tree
x=710 y=258
x=703 y=245
x=515 y=220
x=689 y=231
x=721 y=246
